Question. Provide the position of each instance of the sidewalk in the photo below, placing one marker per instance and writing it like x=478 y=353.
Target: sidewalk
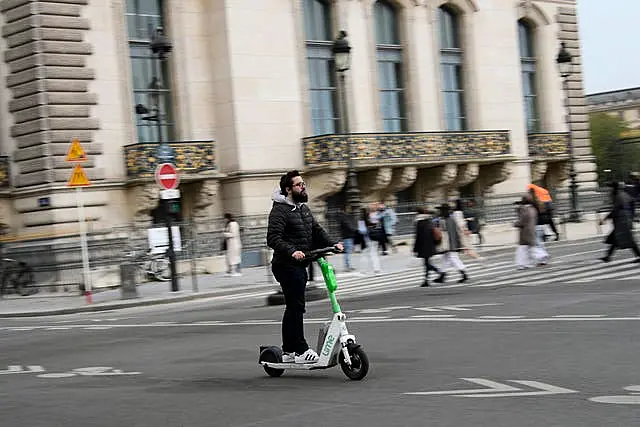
x=255 y=282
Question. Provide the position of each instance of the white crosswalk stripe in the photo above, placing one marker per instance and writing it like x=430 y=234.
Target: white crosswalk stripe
x=503 y=273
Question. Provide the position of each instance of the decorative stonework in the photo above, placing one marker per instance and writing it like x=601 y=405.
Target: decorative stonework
x=388 y=149
x=554 y=146
x=49 y=80
x=538 y=171
x=567 y=19
x=402 y=179
x=145 y=199
x=205 y=201
x=491 y=175
x=321 y=186
x=192 y=158
x=432 y=183
x=5 y=174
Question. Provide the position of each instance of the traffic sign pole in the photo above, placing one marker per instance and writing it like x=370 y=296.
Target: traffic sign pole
x=168 y=179
x=84 y=247
x=79 y=179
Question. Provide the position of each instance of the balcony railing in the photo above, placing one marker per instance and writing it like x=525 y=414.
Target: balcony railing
x=549 y=145
x=394 y=148
x=191 y=158
x=5 y=175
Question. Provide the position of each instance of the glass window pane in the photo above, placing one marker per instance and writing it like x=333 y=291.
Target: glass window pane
x=317 y=20
x=149 y=7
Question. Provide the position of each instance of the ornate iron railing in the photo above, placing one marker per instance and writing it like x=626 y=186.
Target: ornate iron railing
x=191 y=157
x=5 y=175
x=548 y=144
x=413 y=147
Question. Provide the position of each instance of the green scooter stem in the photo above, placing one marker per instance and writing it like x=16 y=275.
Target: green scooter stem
x=330 y=281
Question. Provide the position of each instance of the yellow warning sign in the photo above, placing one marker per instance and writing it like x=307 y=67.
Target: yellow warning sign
x=78 y=178
x=76 y=152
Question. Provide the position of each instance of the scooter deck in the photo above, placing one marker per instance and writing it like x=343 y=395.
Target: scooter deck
x=302 y=366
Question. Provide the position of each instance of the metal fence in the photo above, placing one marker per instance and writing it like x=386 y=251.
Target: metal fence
x=58 y=262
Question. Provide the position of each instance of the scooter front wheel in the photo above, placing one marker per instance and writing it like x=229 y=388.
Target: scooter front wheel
x=359 y=363
x=273 y=355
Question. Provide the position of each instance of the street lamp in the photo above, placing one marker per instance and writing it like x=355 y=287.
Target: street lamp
x=342 y=60
x=161 y=47
x=565 y=63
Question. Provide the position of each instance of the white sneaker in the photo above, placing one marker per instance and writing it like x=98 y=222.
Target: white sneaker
x=236 y=275
x=288 y=357
x=308 y=356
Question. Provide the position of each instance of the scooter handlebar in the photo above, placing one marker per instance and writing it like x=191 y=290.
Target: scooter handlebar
x=317 y=253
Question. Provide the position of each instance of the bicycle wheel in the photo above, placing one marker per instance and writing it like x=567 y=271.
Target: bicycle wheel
x=161 y=269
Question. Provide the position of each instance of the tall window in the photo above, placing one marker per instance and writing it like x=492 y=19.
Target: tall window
x=451 y=69
x=149 y=77
x=528 y=67
x=322 y=82
x=389 y=57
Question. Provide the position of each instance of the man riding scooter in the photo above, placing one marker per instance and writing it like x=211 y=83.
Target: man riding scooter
x=292 y=231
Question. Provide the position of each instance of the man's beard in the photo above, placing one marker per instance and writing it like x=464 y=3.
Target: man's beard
x=300 y=197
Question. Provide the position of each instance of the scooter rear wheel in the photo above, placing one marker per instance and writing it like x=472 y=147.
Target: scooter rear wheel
x=359 y=363
x=273 y=355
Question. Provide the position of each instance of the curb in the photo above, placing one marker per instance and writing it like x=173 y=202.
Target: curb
x=110 y=306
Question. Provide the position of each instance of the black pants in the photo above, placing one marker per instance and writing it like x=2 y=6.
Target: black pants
x=613 y=248
x=293 y=280
x=429 y=267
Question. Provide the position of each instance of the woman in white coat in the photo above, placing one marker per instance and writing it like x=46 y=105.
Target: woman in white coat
x=233 y=245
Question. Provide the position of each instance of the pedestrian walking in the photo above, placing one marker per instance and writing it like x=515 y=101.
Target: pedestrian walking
x=622 y=235
x=451 y=245
x=388 y=219
x=526 y=224
x=373 y=235
x=426 y=238
x=540 y=251
x=545 y=207
x=472 y=216
x=465 y=241
x=232 y=245
x=348 y=231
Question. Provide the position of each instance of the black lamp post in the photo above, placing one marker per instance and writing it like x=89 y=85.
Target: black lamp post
x=342 y=60
x=160 y=48
x=565 y=63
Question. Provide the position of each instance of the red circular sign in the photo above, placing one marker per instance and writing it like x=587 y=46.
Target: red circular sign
x=167 y=176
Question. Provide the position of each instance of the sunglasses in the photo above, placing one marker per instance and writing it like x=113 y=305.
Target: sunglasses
x=300 y=184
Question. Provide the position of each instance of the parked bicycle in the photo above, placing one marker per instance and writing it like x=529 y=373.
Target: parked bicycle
x=16 y=277
x=150 y=266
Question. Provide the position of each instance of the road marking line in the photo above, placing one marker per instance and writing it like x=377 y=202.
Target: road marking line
x=544 y=389
x=501 y=317
x=585 y=316
x=493 y=387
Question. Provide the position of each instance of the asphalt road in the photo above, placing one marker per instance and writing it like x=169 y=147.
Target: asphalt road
x=560 y=354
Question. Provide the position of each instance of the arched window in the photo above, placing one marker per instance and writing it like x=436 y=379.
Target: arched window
x=528 y=70
x=322 y=82
x=143 y=17
x=451 y=69
x=390 y=72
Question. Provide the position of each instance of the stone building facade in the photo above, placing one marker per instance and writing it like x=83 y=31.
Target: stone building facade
x=443 y=97
x=624 y=103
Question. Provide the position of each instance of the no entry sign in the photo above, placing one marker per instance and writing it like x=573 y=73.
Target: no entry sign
x=167 y=176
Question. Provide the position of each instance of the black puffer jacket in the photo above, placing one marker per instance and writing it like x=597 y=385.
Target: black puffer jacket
x=293 y=228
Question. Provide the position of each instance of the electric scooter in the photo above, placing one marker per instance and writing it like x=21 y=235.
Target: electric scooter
x=335 y=344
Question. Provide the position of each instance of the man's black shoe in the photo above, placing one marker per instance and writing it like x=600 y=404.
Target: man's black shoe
x=425 y=284
x=441 y=278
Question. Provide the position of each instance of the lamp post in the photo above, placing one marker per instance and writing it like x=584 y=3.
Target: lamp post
x=160 y=48
x=342 y=60
x=565 y=62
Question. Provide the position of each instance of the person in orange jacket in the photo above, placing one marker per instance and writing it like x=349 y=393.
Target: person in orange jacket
x=544 y=206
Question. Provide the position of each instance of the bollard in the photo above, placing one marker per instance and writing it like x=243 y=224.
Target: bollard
x=128 y=285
